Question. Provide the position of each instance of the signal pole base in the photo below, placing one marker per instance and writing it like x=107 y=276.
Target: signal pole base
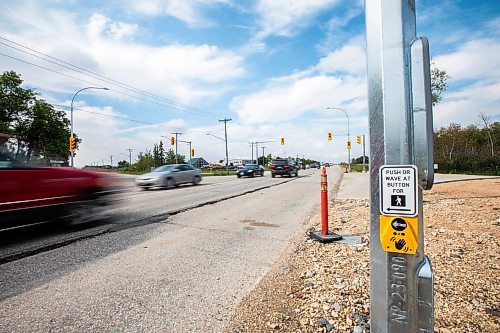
x=329 y=237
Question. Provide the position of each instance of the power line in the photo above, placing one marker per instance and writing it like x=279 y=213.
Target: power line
x=93 y=83
x=173 y=104
x=81 y=70
x=109 y=116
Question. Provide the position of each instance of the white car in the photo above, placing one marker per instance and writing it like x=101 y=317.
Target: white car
x=168 y=176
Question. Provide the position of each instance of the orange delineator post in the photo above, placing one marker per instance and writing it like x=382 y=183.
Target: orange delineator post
x=324 y=203
x=324 y=235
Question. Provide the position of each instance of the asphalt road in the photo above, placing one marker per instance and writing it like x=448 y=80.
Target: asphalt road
x=197 y=253
x=130 y=209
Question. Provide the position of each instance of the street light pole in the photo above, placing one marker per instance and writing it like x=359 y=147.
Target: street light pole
x=348 y=136
x=225 y=120
x=215 y=136
x=189 y=154
x=100 y=88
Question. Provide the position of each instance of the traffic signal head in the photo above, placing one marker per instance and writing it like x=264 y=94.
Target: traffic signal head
x=172 y=140
x=72 y=144
x=359 y=139
x=282 y=141
x=348 y=144
x=192 y=152
x=330 y=136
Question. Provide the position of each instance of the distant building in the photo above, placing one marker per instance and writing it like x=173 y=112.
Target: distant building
x=198 y=162
x=240 y=162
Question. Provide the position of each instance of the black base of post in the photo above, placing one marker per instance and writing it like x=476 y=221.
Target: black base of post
x=330 y=237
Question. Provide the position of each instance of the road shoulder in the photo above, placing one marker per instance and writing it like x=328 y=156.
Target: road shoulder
x=321 y=288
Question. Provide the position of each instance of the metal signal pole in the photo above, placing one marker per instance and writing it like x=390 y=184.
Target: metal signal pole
x=176 y=133
x=401 y=165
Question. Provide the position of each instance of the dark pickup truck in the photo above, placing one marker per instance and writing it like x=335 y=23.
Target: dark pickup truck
x=282 y=166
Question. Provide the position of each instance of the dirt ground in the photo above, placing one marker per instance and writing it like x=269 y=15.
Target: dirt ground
x=318 y=287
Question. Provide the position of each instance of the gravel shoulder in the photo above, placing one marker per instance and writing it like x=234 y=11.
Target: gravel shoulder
x=325 y=287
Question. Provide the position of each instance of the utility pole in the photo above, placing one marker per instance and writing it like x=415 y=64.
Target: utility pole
x=129 y=156
x=257 y=149
x=111 y=158
x=225 y=120
x=257 y=152
x=176 y=133
x=252 y=143
x=263 y=156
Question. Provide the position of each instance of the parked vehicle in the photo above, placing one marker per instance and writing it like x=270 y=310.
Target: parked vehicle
x=250 y=170
x=168 y=176
x=284 y=167
x=36 y=188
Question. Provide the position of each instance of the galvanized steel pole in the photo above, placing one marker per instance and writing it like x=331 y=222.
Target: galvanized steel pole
x=401 y=295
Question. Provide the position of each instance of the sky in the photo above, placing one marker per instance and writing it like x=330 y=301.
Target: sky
x=294 y=69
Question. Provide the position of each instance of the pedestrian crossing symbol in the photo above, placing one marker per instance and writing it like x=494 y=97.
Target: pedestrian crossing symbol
x=398 y=200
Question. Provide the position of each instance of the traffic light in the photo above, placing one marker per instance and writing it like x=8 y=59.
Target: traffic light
x=192 y=152
x=72 y=144
x=348 y=144
x=359 y=139
x=329 y=136
x=282 y=141
x=172 y=140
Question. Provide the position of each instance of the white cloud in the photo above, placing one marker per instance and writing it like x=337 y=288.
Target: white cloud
x=188 y=11
x=463 y=106
x=284 y=17
x=349 y=58
x=475 y=82
x=186 y=73
x=476 y=59
x=288 y=101
x=102 y=25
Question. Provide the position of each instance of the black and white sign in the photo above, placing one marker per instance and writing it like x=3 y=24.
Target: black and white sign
x=398 y=190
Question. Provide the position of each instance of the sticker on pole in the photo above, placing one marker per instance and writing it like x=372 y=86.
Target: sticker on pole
x=398 y=190
x=399 y=234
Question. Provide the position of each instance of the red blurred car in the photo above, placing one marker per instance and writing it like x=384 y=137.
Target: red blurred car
x=31 y=193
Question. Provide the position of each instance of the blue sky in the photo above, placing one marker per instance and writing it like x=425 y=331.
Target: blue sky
x=273 y=67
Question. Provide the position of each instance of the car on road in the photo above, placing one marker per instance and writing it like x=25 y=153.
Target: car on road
x=169 y=175
x=283 y=166
x=250 y=170
x=37 y=192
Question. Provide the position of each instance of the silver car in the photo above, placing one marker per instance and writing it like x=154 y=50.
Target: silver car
x=169 y=176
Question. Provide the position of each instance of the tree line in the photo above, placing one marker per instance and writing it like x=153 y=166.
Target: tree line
x=149 y=159
x=32 y=130
x=471 y=149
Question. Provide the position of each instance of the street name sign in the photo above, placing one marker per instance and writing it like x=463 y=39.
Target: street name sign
x=398 y=190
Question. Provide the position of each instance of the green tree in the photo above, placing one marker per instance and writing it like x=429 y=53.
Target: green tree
x=145 y=162
x=170 y=156
x=42 y=131
x=439 y=83
x=14 y=101
x=161 y=152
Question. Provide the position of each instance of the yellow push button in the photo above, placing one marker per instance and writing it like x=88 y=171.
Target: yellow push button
x=399 y=234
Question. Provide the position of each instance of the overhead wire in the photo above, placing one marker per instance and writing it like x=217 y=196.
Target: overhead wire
x=67 y=109
x=171 y=103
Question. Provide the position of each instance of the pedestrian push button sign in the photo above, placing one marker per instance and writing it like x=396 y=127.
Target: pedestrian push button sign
x=399 y=234
x=398 y=190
